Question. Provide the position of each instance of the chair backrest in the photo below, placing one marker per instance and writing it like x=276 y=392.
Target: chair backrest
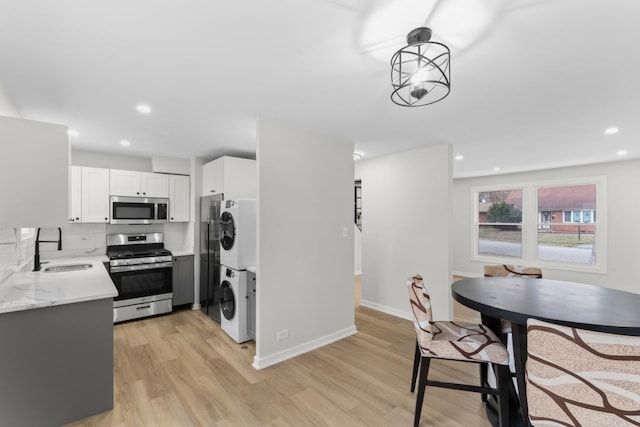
x=512 y=271
x=581 y=378
x=421 y=309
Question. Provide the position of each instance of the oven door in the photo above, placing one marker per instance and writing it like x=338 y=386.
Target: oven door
x=135 y=281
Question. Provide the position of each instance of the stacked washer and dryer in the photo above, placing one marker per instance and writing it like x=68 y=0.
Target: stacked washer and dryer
x=237 y=253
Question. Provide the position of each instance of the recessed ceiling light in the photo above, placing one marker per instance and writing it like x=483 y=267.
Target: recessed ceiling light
x=496 y=169
x=459 y=157
x=611 y=130
x=143 y=108
x=622 y=153
x=72 y=132
x=125 y=143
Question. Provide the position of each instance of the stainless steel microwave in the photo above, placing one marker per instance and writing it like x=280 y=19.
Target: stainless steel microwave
x=139 y=210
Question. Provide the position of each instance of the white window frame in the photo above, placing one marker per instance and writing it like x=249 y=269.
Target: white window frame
x=530 y=216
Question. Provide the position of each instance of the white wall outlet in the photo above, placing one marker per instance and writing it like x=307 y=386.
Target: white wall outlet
x=283 y=334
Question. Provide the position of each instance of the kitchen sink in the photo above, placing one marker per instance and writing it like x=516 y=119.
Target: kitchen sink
x=68 y=267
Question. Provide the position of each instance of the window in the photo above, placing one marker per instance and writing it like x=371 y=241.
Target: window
x=572 y=239
x=579 y=216
x=556 y=224
x=500 y=223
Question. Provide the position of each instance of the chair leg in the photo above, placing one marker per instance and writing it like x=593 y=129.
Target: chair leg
x=503 y=380
x=416 y=365
x=484 y=381
x=424 y=372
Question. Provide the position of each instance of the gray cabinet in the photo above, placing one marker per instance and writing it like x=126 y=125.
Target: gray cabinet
x=251 y=301
x=182 y=280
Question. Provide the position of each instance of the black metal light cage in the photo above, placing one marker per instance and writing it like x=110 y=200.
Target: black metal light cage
x=432 y=59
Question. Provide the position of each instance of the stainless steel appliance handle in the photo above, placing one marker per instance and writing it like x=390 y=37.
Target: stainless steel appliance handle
x=138 y=267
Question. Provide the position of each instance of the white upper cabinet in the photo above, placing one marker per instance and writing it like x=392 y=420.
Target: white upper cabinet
x=178 y=198
x=89 y=195
x=95 y=195
x=138 y=184
x=34 y=171
x=75 y=195
x=236 y=178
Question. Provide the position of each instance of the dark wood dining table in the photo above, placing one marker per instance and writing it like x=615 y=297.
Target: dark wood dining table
x=577 y=305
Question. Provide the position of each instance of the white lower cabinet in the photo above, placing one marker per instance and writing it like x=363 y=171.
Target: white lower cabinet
x=89 y=197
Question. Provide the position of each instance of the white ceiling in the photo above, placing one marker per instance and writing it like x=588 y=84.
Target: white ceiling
x=534 y=82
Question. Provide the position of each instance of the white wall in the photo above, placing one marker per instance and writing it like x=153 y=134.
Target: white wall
x=357 y=250
x=623 y=241
x=96 y=159
x=305 y=241
x=406 y=215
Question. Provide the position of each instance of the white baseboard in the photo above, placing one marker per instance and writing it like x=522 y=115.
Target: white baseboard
x=465 y=274
x=385 y=309
x=264 y=362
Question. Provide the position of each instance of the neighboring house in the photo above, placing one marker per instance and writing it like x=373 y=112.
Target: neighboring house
x=563 y=209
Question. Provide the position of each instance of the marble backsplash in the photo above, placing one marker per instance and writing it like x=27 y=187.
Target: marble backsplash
x=17 y=245
x=16 y=250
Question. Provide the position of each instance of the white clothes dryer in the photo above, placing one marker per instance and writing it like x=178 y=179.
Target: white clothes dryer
x=238 y=233
x=234 y=304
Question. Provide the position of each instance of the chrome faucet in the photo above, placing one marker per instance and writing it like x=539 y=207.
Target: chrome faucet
x=36 y=257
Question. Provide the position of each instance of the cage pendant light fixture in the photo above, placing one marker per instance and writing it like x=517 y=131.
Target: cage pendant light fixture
x=420 y=73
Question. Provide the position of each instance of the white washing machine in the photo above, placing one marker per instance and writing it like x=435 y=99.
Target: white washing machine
x=234 y=303
x=238 y=233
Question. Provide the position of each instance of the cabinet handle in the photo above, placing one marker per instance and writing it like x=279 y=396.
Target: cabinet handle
x=77 y=219
x=106 y=219
x=213 y=190
x=138 y=193
x=144 y=194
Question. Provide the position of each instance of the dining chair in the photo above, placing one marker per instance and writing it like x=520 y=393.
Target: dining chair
x=459 y=341
x=577 y=377
x=505 y=270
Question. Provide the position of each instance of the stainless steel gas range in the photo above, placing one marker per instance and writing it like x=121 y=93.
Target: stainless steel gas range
x=141 y=270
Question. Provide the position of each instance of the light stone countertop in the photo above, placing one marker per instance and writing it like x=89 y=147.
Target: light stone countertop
x=36 y=289
x=182 y=253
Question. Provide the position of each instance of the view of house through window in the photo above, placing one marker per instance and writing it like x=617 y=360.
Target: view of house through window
x=500 y=223
x=567 y=224
x=539 y=223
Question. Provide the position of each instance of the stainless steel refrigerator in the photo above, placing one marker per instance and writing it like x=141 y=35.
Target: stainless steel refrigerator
x=210 y=255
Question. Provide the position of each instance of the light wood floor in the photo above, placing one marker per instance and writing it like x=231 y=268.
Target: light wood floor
x=182 y=370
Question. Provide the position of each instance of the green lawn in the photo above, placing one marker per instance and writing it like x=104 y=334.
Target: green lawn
x=544 y=238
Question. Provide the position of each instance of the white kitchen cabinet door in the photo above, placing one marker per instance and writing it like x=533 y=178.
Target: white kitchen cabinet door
x=213 y=177
x=75 y=195
x=240 y=178
x=138 y=184
x=124 y=183
x=154 y=184
x=233 y=176
x=178 y=198
x=95 y=195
